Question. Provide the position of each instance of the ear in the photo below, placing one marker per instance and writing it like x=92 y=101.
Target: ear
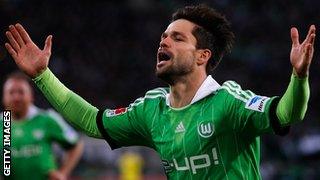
x=204 y=56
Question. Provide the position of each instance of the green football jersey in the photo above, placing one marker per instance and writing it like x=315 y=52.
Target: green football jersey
x=215 y=137
x=31 y=143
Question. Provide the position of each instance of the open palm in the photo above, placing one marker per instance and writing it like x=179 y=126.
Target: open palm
x=301 y=54
x=27 y=55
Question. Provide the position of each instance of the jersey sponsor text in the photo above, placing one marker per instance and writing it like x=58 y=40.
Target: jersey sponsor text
x=192 y=163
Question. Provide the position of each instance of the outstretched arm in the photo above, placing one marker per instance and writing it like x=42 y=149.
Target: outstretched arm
x=293 y=104
x=34 y=62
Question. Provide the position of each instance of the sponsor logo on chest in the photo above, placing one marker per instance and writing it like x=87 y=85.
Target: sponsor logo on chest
x=26 y=151
x=192 y=163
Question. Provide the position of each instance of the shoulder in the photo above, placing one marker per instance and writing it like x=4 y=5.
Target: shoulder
x=50 y=117
x=39 y=114
x=234 y=90
x=151 y=97
x=35 y=112
x=154 y=95
x=56 y=118
x=157 y=93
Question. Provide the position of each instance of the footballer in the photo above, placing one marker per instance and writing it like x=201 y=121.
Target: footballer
x=33 y=132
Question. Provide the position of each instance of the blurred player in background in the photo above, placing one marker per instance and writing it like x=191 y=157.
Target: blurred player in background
x=201 y=129
x=33 y=133
x=131 y=166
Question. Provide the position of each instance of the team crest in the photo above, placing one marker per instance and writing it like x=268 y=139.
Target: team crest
x=38 y=134
x=206 y=129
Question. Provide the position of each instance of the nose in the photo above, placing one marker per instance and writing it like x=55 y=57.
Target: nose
x=165 y=42
x=16 y=96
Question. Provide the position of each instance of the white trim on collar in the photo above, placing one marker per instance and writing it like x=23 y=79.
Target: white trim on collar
x=32 y=111
x=208 y=86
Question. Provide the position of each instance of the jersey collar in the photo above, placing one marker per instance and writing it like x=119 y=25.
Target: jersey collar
x=32 y=112
x=208 y=87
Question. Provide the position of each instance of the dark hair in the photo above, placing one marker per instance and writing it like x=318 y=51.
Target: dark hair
x=213 y=31
x=17 y=75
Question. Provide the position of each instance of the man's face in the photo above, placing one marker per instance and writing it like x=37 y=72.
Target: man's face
x=177 y=51
x=17 y=96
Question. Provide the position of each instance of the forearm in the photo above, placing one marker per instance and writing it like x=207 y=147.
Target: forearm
x=76 y=110
x=292 y=106
x=71 y=159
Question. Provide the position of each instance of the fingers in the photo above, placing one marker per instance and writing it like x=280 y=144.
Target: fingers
x=309 y=53
x=294 y=36
x=311 y=32
x=25 y=36
x=309 y=43
x=12 y=41
x=312 y=38
x=12 y=52
x=16 y=35
x=48 y=44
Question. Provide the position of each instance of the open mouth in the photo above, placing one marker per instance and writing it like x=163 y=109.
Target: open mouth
x=164 y=56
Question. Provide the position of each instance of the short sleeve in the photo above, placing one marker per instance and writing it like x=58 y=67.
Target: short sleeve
x=60 y=131
x=249 y=113
x=125 y=126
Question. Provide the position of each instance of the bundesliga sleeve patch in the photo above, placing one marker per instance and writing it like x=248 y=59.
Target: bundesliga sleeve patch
x=257 y=103
x=115 y=112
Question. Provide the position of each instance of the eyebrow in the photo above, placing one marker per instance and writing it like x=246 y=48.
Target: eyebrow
x=174 y=33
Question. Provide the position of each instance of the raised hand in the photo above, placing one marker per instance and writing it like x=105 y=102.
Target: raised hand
x=301 y=54
x=29 y=58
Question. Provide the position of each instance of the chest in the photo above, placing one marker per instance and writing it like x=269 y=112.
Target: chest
x=28 y=134
x=190 y=131
x=188 y=140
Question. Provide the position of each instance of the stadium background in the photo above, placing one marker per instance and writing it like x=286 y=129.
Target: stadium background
x=106 y=52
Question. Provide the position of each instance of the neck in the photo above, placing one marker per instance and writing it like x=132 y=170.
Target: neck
x=185 y=88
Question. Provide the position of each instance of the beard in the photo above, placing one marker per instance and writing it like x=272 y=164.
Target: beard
x=174 y=72
x=18 y=111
